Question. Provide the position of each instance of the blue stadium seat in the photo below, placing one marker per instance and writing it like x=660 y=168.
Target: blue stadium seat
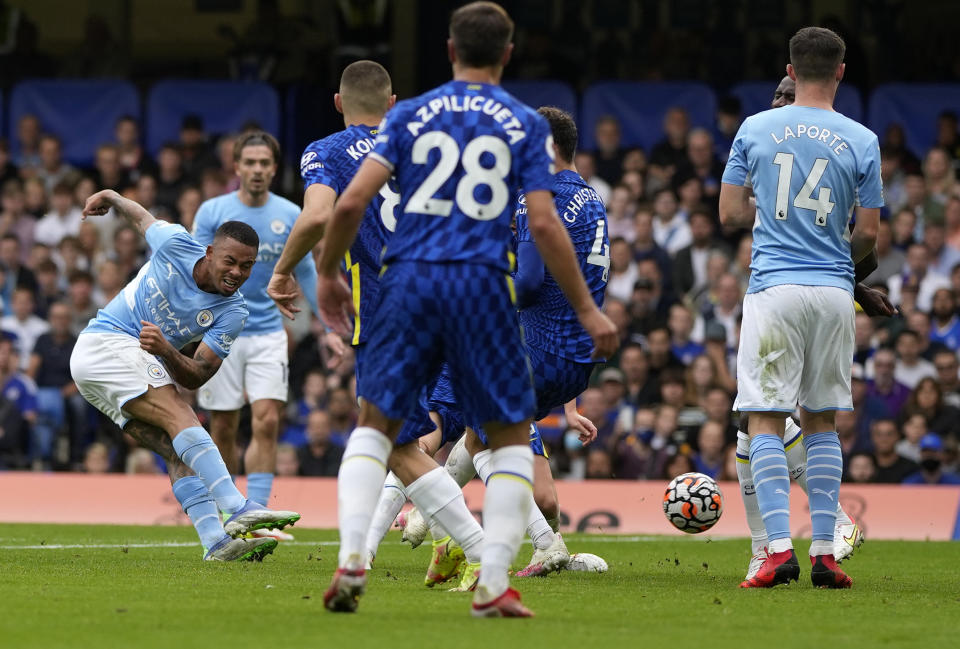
x=755 y=96
x=914 y=106
x=640 y=107
x=224 y=107
x=82 y=112
x=544 y=93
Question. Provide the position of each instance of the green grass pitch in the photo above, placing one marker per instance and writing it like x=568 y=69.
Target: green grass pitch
x=147 y=587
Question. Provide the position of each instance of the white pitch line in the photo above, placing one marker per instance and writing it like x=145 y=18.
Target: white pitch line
x=180 y=544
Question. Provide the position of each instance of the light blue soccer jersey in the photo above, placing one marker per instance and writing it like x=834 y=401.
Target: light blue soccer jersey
x=809 y=169
x=272 y=222
x=165 y=293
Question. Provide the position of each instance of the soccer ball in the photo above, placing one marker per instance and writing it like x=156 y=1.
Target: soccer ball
x=693 y=502
x=586 y=562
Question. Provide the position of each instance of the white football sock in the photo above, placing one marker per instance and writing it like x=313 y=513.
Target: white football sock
x=481 y=461
x=359 y=483
x=505 y=509
x=538 y=529
x=437 y=531
x=392 y=499
x=459 y=463
x=758 y=531
x=439 y=498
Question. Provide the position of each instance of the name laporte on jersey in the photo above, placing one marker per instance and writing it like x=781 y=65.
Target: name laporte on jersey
x=813 y=132
x=469 y=103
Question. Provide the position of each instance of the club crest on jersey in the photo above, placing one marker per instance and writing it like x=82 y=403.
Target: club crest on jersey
x=307 y=157
x=155 y=371
x=277 y=226
x=205 y=318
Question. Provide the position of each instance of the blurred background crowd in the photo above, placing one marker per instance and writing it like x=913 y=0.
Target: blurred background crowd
x=663 y=404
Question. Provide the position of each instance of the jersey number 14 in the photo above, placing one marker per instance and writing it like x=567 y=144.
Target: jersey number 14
x=804 y=198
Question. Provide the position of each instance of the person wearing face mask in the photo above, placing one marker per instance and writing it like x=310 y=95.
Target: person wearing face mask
x=931 y=464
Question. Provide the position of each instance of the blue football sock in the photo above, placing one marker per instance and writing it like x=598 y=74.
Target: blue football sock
x=196 y=502
x=824 y=470
x=258 y=487
x=768 y=465
x=198 y=452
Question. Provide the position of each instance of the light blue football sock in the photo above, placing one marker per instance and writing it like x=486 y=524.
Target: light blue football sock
x=258 y=487
x=198 y=452
x=199 y=506
x=824 y=470
x=768 y=465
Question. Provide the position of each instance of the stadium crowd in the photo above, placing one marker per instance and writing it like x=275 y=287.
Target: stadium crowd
x=662 y=405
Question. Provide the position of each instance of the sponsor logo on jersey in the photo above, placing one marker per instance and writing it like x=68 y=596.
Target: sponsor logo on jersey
x=226 y=339
x=155 y=371
x=277 y=226
x=307 y=157
x=205 y=318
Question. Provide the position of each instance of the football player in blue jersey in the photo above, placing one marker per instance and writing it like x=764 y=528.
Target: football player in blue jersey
x=257 y=368
x=327 y=166
x=459 y=154
x=129 y=359
x=810 y=169
x=847 y=534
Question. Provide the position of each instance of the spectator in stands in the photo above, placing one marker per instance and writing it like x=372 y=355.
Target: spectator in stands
x=110 y=174
x=701 y=379
x=62 y=220
x=945 y=325
x=17 y=388
x=718 y=406
x=670 y=230
x=133 y=159
x=8 y=170
x=226 y=163
x=593 y=406
x=288 y=462
x=948 y=138
x=940 y=179
x=631 y=455
x=109 y=282
x=644 y=244
x=635 y=160
x=947 y=366
x=863 y=338
x=58 y=401
x=48 y=287
x=726 y=306
x=35 y=197
x=690 y=263
x=187 y=205
x=951 y=222
x=599 y=465
x=911 y=367
x=861 y=468
x=620 y=212
x=884 y=386
x=676 y=464
x=213 y=183
x=623 y=270
x=895 y=141
x=890 y=259
x=140 y=461
x=52 y=168
x=616 y=310
x=612 y=385
x=893 y=177
x=701 y=162
x=891 y=467
x=942 y=256
x=343 y=417
x=126 y=252
x=917 y=273
x=170 y=177
x=633 y=181
x=17 y=275
x=931 y=464
x=927 y=399
x=609 y=152
x=914 y=428
x=22 y=325
x=96 y=459
x=587 y=167
x=671 y=152
x=14 y=218
x=11 y=432
x=681 y=325
x=321 y=456
x=709 y=456
x=195 y=148
x=640 y=389
x=729 y=114
x=146 y=194
x=80 y=300
x=689 y=195
x=919 y=323
x=903 y=227
x=28 y=144
x=660 y=355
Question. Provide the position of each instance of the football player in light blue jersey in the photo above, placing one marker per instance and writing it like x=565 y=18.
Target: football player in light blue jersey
x=130 y=357
x=810 y=169
x=257 y=368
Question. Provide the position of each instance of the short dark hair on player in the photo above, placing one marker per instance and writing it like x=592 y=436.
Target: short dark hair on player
x=238 y=231
x=564 y=131
x=815 y=53
x=481 y=32
x=256 y=138
x=365 y=87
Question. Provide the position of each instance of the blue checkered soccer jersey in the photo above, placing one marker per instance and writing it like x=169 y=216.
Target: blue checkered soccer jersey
x=809 y=168
x=165 y=293
x=459 y=154
x=333 y=161
x=550 y=323
x=272 y=222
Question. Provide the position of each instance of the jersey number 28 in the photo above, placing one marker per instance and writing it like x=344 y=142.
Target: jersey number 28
x=804 y=198
x=424 y=201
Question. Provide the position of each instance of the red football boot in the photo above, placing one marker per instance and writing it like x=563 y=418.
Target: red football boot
x=778 y=568
x=345 y=590
x=507 y=605
x=825 y=573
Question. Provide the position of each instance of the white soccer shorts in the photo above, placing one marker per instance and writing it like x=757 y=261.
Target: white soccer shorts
x=257 y=368
x=796 y=347
x=111 y=369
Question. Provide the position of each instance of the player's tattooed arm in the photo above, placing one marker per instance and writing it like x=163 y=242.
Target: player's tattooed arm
x=190 y=372
x=101 y=202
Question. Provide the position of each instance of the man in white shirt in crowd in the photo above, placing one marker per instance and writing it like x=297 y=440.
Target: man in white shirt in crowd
x=62 y=220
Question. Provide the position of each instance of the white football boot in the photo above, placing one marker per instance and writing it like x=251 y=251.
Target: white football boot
x=847 y=537
x=556 y=557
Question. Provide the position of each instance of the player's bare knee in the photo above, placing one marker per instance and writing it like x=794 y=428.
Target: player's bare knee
x=266 y=419
x=817 y=422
